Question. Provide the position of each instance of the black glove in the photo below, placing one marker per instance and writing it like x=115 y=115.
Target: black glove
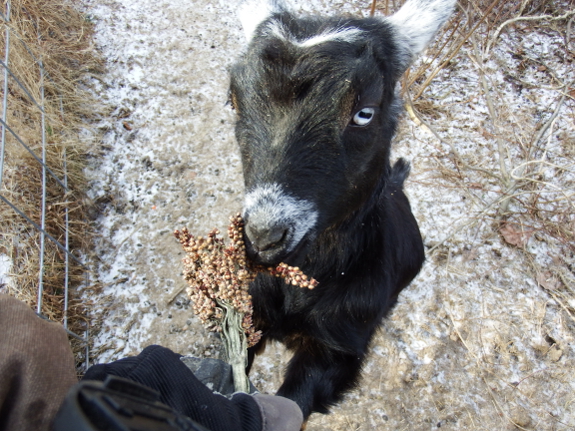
x=118 y=404
x=163 y=371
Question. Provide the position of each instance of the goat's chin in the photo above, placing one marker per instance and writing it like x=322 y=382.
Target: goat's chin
x=293 y=256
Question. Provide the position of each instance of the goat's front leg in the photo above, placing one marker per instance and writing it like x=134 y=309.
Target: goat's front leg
x=316 y=378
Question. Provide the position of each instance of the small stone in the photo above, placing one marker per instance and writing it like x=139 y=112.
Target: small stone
x=555 y=353
x=520 y=417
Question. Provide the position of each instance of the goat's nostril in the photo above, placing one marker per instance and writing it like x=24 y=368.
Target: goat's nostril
x=265 y=238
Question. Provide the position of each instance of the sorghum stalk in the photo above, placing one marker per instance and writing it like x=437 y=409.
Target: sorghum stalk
x=218 y=280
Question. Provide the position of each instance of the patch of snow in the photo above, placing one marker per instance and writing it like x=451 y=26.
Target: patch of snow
x=473 y=329
x=5 y=269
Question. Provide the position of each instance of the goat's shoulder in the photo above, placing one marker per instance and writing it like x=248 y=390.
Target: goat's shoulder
x=403 y=239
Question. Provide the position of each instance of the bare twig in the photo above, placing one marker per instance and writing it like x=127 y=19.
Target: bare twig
x=462 y=41
x=372 y=9
x=479 y=61
x=420 y=121
x=497 y=32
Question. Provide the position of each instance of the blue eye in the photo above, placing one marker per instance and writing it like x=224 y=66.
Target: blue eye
x=363 y=117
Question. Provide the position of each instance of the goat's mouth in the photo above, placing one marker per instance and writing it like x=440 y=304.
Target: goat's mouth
x=278 y=226
x=274 y=253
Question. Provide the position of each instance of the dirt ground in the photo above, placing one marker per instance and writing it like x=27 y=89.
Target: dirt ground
x=484 y=337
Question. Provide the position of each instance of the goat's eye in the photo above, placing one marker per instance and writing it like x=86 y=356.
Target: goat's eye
x=363 y=117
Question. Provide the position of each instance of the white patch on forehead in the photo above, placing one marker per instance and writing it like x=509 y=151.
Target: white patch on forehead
x=349 y=35
x=268 y=205
x=340 y=34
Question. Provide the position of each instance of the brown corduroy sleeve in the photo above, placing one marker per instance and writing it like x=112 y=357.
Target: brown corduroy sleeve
x=36 y=367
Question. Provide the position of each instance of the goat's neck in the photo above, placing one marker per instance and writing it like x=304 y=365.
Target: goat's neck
x=341 y=245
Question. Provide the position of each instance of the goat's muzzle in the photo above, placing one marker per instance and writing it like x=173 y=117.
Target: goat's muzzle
x=266 y=238
x=276 y=224
x=266 y=244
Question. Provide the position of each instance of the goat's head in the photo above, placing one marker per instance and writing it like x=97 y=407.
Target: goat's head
x=316 y=106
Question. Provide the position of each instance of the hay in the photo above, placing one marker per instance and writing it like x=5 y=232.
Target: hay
x=50 y=53
x=516 y=173
x=534 y=188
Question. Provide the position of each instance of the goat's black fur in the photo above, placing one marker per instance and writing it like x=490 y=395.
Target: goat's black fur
x=362 y=264
x=299 y=147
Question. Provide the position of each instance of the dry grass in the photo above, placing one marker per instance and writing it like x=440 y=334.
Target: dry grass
x=517 y=171
x=57 y=36
x=532 y=182
x=527 y=202
x=525 y=199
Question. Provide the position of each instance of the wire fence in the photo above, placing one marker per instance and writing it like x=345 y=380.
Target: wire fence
x=35 y=223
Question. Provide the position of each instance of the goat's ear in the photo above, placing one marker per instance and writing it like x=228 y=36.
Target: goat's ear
x=415 y=25
x=253 y=12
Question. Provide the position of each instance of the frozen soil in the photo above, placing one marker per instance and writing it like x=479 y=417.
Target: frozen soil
x=483 y=339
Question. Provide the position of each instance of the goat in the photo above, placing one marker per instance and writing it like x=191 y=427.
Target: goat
x=316 y=111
